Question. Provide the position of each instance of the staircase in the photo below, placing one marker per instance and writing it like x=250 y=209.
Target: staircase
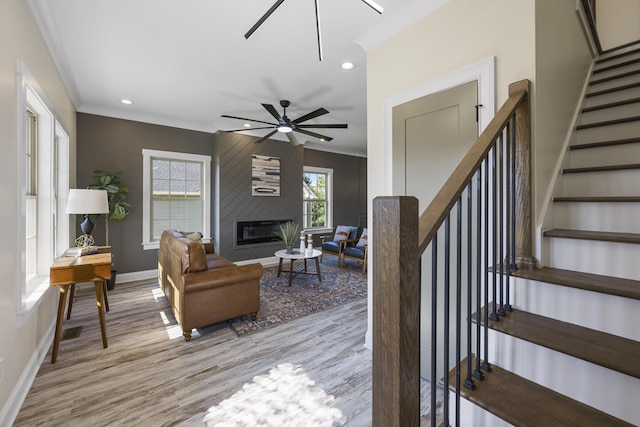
x=569 y=352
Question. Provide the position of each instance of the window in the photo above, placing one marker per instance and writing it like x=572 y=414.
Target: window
x=176 y=194
x=43 y=184
x=317 y=193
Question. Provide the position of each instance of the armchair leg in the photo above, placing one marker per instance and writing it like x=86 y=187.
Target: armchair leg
x=254 y=316
x=187 y=335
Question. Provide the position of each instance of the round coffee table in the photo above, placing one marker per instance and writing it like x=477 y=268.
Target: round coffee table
x=282 y=254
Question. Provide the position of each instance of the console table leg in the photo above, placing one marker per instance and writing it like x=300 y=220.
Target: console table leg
x=62 y=303
x=100 y=303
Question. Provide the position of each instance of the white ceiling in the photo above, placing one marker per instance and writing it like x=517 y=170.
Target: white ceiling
x=185 y=63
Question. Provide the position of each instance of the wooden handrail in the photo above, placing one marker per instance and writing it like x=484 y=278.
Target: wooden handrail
x=440 y=206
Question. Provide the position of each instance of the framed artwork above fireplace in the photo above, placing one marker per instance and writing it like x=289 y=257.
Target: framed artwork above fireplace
x=265 y=175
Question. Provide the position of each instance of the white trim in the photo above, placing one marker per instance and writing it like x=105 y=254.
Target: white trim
x=329 y=173
x=320 y=147
x=147 y=154
x=482 y=71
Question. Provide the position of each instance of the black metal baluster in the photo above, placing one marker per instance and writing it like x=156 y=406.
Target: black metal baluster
x=510 y=211
x=434 y=324
x=500 y=264
x=494 y=252
x=468 y=382
x=477 y=373
x=447 y=267
x=485 y=363
x=458 y=303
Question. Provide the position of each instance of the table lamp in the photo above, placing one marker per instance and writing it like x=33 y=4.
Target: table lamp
x=87 y=202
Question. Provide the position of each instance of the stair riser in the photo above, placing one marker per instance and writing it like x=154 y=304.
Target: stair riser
x=613 y=217
x=616 y=61
x=601 y=388
x=621 y=81
x=607 y=313
x=605 y=133
x=612 y=97
x=594 y=184
x=596 y=257
x=612 y=113
x=611 y=155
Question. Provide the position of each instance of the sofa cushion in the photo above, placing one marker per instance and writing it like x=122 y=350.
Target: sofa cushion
x=216 y=261
x=331 y=247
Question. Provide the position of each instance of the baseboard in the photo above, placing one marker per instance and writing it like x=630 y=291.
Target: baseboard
x=11 y=409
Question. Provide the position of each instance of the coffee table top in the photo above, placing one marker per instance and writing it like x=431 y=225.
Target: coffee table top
x=297 y=255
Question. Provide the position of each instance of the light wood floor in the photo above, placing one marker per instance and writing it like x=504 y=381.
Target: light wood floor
x=150 y=377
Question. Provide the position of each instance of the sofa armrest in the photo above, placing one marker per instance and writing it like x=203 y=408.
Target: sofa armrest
x=202 y=280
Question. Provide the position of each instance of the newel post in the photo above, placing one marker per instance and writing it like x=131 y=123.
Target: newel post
x=523 y=215
x=396 y=312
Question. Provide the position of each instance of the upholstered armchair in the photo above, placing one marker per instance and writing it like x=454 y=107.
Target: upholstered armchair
x=333 y=245
x=358 y=251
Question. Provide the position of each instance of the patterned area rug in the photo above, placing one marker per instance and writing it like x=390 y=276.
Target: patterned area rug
x=280 y=303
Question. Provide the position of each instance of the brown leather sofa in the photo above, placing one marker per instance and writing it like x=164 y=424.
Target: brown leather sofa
x=202 y=287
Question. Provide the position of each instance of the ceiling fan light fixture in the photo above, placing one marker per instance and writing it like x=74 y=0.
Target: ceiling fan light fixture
x=285 y=129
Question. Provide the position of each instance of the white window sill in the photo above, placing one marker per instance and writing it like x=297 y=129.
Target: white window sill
x=36 y=289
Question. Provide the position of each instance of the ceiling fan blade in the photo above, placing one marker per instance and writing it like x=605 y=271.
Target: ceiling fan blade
x=318 y=30
x=312 y=115
x=292 y=139
x=313 y=134
x=271 y=109
x=373 y=5
x=267 y=136
x=248 y=120
x=245 y=129
x=327 y=126
x=263 y=18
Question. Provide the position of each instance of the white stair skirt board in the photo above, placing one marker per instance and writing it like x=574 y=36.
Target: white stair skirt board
x=615 y=83
x=597 y=216
x=609 y=391
x=620 y=95
x=611 y=155
x=610 y=113
x=472 y=415
x=609 y=183
x=590 y=256
x=605 y=133
x=607 y=313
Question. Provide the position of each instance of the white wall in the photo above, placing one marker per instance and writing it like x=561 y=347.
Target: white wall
x=19 y=344
x=618 y=22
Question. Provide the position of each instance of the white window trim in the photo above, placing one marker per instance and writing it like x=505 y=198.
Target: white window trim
x=329 y=226
x=50 y=134
x=147 y=154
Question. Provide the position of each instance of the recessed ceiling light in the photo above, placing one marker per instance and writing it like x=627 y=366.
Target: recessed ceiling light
x=347 y=65
x=126 y=101
x=247 y=125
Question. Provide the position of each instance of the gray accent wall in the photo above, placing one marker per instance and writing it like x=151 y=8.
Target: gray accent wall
x=116 y=144
x=235 y=202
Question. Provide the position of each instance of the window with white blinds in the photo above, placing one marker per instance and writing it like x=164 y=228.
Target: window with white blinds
x=176 y=192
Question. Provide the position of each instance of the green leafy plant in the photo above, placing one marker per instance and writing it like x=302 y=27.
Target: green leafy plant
x=116 y=194
x=289 y=233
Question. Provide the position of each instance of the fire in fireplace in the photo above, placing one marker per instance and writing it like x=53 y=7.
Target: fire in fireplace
x=252 y=232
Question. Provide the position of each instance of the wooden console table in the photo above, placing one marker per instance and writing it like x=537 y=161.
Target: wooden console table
x=66 y=271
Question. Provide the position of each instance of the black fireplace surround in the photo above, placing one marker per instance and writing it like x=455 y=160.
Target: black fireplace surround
x=262 y=231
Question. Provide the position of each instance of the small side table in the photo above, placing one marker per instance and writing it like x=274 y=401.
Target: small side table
x=282 y=254
x=65 y=272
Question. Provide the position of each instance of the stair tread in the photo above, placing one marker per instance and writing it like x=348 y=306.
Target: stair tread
x=606 y=236
x=617 y=286
x=524 y=403
x=614 y=66
x=608 y=199
x=614 y=89
x=611 y=105
x=609 y=122
x=602 y=168
x=608 y=143
x=617 y=55
x=617 y=76
x=603 y=349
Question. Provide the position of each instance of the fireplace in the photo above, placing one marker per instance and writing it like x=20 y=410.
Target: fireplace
x=254 y=232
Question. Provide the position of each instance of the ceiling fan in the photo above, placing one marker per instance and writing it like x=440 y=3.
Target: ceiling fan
x=287 y=126
x=373 y=5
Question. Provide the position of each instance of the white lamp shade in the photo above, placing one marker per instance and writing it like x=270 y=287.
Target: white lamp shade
x=82 y=201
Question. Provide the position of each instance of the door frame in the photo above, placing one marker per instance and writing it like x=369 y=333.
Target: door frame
x=482 y=71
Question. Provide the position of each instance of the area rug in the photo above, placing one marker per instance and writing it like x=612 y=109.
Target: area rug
x=280 y=303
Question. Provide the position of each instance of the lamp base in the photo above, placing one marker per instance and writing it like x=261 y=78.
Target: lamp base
x=85 y=240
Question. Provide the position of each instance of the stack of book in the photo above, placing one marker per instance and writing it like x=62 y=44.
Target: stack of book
x=82 y=250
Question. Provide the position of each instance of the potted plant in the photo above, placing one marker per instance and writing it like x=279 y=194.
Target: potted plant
x=118 y=208
x=289 y=234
